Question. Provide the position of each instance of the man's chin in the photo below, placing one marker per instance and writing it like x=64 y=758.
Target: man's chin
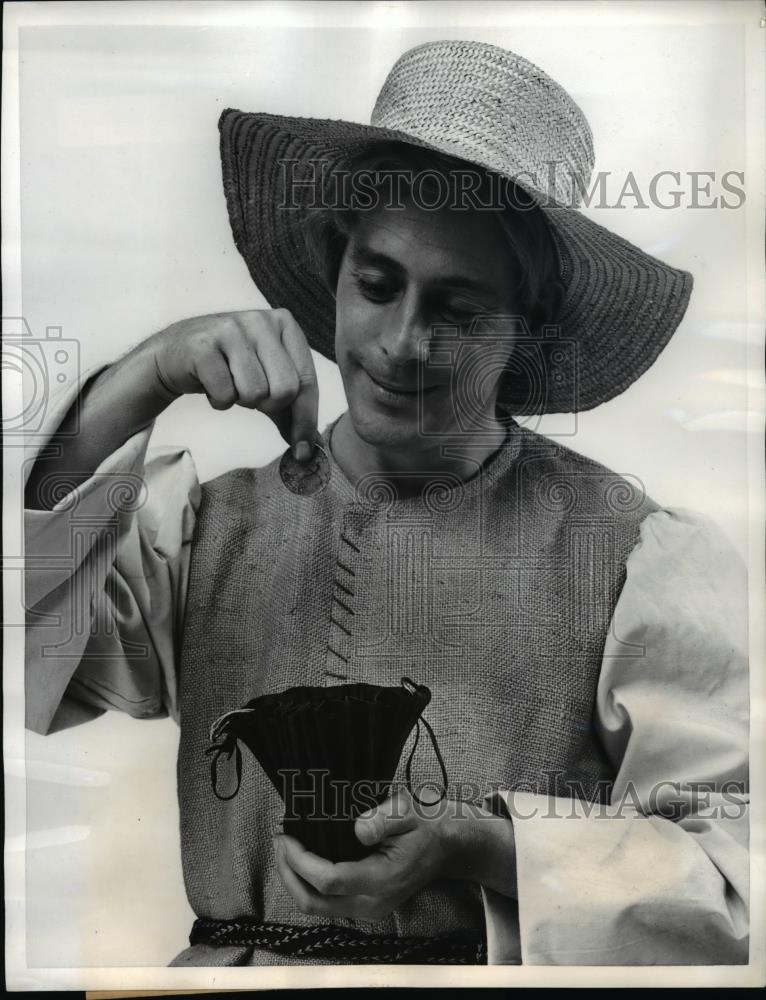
x=381 y=430
x=380 y=433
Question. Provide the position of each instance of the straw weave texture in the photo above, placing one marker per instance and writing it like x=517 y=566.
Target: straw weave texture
x=484 y=106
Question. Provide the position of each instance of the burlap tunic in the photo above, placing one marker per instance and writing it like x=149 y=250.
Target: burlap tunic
x=496 y=592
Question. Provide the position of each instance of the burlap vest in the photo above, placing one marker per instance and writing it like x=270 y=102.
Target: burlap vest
x=497 y=593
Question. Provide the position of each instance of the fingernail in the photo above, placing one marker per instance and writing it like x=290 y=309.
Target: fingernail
x=302 y=451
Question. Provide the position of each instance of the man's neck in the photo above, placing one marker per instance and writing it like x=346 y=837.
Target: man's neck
x=458 y=455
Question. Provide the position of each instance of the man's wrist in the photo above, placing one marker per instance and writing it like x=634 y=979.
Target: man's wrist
x=480 y=847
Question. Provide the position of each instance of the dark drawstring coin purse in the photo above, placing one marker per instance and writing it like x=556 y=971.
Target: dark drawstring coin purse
x=330 y=752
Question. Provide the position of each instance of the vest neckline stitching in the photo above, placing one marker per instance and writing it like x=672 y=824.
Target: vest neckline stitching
x=497 y=463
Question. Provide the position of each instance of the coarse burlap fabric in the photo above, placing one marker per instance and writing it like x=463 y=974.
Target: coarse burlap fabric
x=491 y=108
x=496 y=593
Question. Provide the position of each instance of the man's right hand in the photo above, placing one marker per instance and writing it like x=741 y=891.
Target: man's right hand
x=258 y=358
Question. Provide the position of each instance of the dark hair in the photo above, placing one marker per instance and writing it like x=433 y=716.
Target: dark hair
x=537 y=291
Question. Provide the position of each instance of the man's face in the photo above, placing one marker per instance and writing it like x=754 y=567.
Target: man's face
x=403 y=273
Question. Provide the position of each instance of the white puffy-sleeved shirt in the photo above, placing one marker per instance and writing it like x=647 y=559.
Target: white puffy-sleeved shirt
x=617 y=884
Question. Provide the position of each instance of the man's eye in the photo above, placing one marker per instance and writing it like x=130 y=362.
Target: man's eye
x=376 y=291
x=459 y=314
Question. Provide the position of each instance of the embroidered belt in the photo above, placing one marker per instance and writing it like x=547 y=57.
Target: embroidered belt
x=348 y=946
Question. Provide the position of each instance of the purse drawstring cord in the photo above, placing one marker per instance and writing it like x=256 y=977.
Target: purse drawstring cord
x=225 y=743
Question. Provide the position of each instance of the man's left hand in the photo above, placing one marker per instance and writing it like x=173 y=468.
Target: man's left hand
x=415 y=843
x=414 y=846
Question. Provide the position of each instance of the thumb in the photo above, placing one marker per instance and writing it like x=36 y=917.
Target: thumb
x=391 y=818
x=304 y=415
x=295 y=432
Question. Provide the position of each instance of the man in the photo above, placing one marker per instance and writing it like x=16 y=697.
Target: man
x=548 y=604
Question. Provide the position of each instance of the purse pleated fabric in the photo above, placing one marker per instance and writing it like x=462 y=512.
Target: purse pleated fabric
x=330 y=752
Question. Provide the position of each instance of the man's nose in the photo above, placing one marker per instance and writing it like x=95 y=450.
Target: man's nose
x=405 y=335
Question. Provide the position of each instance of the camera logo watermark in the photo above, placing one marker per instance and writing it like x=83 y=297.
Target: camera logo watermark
x=69 y=590
x=44 y=365
x=496 y=349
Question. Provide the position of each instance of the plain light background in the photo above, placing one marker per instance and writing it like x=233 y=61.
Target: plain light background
x=124 y=230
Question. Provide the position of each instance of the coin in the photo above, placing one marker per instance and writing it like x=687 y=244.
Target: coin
x=305 y=479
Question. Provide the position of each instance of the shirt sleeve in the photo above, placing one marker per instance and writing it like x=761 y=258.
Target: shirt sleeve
x=106 y=572
x=660 y=875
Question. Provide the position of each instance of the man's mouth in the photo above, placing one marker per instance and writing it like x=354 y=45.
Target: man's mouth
x=397 y=389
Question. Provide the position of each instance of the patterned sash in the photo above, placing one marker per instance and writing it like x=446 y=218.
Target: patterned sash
x=348 y=946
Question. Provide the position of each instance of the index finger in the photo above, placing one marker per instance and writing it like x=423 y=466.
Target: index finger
x=339 y=878
x=305 y=406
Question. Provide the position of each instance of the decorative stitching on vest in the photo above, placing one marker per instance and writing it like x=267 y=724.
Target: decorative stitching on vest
x=342 y=604
x=340 y=677
x=335 y=621
x=339 y=655
x=345 y=590
x=342 y=611
x=349 y=542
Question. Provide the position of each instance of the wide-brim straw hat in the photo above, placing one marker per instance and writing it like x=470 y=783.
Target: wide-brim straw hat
x=490 y=107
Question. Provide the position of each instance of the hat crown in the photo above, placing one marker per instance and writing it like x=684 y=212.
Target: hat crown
x=487 y=105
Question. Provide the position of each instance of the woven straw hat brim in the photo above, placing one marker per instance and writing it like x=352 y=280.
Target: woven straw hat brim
x=621 y=305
